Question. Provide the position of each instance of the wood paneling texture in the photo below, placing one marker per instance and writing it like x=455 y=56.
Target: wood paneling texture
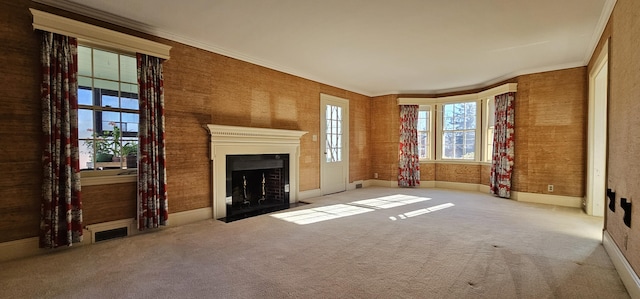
x=385 y=137
x=459 y=173
x=104 y=203
x=485 y=174
x=550 y=136
x=623 y=163
x=20 y=123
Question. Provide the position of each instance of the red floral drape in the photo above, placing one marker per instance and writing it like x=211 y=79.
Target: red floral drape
x=503 y=145
x=61 y=206
x=152 y=176
x=408 y=155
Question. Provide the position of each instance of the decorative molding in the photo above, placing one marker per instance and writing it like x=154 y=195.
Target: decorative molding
x=97 y=35
x=607 y=10
x=627 y=275
x=504 y=88
x=234 y=140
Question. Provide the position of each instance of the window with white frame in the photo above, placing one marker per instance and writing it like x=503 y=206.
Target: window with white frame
x=108 y=109
x=457 y=128
x=424 y=132
x=459 y=123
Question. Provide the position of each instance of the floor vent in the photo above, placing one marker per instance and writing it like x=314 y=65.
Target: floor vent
x=111 y=234
x=358 y=186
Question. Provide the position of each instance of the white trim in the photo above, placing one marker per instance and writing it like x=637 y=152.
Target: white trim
x=20 y=248
x=190 y=216
x=129 y=223
x=557 y=200
x=492 y=92
x=597 y=135
x=234 y=140
x=625 y=271
x=326 y=99
x=607 y=9
x=457 y=186
x=97 y=35
x=383 y=183
x=302 y=195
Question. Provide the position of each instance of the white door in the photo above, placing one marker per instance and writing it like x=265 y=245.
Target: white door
x=334 y=144
x=597 y=137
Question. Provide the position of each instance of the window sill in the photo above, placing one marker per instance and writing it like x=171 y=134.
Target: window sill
x=108 y=179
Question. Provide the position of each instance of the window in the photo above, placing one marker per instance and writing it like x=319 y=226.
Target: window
x=459 y=131
x=459 y=128
x=423 y=129
x=108 y=109
x=334 y=133
x=490 y=109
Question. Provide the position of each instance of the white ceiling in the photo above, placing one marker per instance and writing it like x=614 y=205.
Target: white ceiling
x=376 y=47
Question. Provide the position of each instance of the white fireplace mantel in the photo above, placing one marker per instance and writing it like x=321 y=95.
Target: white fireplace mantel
x=233 y=140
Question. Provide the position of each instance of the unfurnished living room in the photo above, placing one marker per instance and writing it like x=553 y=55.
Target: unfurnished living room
x=319 y=149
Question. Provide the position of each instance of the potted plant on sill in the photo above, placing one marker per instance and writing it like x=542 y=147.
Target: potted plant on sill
x=101 y=146
x=130 y=151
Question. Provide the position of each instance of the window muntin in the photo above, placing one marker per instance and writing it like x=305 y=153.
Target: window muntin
x=108 y=114
x=459 y=123
x=424 y=132
x=334 y=134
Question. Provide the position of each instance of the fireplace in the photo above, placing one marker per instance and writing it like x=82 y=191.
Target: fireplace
x=244 y=153
x=256 y=184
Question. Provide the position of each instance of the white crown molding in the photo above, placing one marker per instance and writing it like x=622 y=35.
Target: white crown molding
x=492 y=92
x=609 y=5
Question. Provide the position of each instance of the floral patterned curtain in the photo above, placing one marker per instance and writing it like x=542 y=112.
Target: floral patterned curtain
x=152 y=176
x=503 y=144
x=61 y=207
x=408 y=155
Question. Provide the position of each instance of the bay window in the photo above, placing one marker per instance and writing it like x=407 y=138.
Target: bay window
x=457 y=128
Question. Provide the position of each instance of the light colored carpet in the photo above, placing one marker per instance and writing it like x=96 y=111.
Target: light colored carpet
x=371 y=243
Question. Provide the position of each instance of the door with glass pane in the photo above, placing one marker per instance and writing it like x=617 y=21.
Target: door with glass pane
x=334 y=144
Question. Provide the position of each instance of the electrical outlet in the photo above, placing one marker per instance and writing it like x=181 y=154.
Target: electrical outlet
x=375 y=175
x=550 y=188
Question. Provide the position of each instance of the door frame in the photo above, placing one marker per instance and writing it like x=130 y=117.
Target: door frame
x=595 y=199
x=324 y=100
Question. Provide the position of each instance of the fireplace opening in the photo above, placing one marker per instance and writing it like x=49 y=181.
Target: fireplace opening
x=256 y=184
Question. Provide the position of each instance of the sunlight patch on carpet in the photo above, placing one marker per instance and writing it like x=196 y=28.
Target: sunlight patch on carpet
x=421 y=211
x=313 y=215
x=391 y=201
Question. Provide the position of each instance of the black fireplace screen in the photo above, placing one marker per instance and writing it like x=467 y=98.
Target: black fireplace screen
x=256 y=184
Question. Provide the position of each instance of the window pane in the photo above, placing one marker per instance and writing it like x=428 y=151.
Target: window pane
x=85 y=123
x=86 y=154
x=105 y=65
x=84 y=61
x=128 y=69
x=469 y=145
x=110 y=101
x=130 y=122
x=109 y=85
x=85 y=96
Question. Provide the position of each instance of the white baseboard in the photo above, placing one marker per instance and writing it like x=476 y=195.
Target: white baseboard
x=191 y=216
x=558 y=200
x=627 y=275
x=20 y=248
x=302 y=195
x=458 y=186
